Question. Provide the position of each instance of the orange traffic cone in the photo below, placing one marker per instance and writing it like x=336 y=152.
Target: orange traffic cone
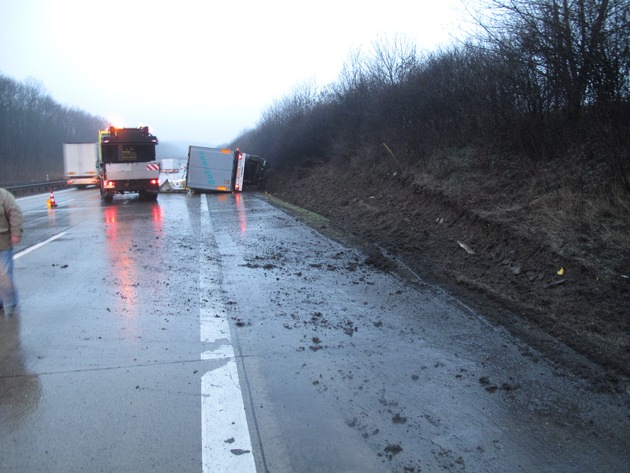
x=51 y=201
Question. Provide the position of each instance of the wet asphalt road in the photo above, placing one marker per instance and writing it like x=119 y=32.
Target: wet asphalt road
x=134 y=315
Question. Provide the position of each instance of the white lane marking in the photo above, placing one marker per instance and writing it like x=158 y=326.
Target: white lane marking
x=225 y=441
x=38 y=245
x=221 y=353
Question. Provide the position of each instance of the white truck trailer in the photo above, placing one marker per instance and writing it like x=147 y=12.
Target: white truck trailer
x=222 y=170
x=80 y=164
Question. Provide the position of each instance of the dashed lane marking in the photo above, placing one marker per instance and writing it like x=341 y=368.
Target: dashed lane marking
x=225 y=440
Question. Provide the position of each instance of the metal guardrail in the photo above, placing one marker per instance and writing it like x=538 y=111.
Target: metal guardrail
x=36 y=187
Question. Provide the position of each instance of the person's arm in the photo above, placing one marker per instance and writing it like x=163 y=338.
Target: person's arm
x=14 y=214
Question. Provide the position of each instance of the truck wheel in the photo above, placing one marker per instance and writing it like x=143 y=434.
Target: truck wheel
x=108 y=198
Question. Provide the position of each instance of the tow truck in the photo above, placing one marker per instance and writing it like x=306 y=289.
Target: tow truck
x=127 y=163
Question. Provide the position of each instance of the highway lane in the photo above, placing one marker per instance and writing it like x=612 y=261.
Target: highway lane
x=217 y=333
x=42 y=223
x=100 y=369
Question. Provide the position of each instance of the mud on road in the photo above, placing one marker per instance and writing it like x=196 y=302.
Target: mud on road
x=573 y=314
x=353 y=368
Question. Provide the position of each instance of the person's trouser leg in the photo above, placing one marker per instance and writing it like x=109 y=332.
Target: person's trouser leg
x=8 y=293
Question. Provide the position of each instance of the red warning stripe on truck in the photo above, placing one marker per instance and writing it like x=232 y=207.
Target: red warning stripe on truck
x=153 y=167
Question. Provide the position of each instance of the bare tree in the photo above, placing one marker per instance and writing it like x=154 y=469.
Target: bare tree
x=577 y=50
x=393 y=60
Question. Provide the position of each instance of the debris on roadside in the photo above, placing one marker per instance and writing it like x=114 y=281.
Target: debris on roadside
x=466 y=248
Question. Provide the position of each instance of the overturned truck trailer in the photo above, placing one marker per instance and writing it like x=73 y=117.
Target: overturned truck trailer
x=222 y=170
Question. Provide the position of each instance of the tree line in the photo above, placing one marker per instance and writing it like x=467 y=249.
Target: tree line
x=541 y=79
x=33 y=128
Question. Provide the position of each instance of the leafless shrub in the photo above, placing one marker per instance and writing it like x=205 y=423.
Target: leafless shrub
x=548 y=80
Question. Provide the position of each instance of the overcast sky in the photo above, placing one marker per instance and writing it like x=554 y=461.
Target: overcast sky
x=195 y=70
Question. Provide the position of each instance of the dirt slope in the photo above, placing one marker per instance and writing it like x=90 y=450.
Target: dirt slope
x=513 y=253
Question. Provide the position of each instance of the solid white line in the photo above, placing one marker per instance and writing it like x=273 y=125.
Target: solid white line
x=225 y=442
x=38 y=245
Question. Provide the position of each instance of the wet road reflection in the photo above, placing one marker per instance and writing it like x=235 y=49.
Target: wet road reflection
x=128 y=258
x=20 y=391
x=101 y=369
x=240 y=210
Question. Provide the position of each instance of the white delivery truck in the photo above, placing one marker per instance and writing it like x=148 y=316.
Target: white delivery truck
x=80 y=164
x=221 y=170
